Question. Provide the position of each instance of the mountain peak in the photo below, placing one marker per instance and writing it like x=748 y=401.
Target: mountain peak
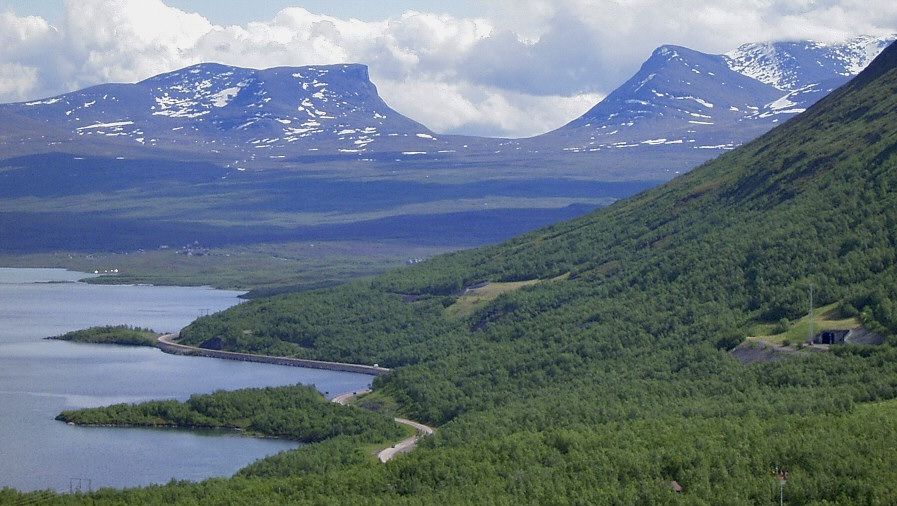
x=682 y=99
x=792 y=65
x=679 y=98
x=670 y=54
x=348 y=70
x=670 y=51
x=272 y=113
x=885 y=62
x=207 y=68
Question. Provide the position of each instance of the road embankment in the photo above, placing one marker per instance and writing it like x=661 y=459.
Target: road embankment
x=167 y=344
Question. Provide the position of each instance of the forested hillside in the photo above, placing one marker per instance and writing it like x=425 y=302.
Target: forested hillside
x=610 y=378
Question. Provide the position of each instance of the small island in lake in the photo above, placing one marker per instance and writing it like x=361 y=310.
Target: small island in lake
x=112 y=334
x=298 y=413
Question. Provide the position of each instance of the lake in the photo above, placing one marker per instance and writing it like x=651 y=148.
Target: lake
x=40 y=378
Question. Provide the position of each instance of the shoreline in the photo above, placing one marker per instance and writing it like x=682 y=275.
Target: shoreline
x=184 y=428
x=404 y=446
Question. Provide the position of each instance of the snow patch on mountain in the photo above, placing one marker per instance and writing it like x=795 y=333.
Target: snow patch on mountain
x=796 y=64
x=107 y=125
x=212 y=108
x=714 y=101
x=223 y=97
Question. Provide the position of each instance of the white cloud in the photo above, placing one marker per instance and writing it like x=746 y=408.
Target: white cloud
x=128 y=40
x=24 y=41
x=523 y=67
x=17 y=80
x=18 y=33
x=483 y=110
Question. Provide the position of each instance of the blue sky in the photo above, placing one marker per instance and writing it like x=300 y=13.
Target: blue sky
x=491 y=67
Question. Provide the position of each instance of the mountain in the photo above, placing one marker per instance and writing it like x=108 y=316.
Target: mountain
x=684 y=102
x=679 y=97
x=747 y=215
x=685 y=99
x=208 y=109
x=179 y=157
x=797 y=65
x=681 y=108
x=588 y=362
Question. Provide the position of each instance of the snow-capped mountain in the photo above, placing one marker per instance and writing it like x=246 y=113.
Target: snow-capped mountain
x=794 y=65
x=681 y=98
x=682 y=107
x=238 y=113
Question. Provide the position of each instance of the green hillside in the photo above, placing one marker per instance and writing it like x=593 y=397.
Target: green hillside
x=112 y=334
x=299 y=413
x=613 y=380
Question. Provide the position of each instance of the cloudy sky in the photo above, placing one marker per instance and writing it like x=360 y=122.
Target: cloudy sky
x=490 y=67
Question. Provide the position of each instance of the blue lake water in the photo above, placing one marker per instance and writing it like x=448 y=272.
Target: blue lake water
x=40 y=378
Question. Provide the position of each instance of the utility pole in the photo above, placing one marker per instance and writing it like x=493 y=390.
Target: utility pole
x=782 y=477
x=76 y=485
x=811 y=313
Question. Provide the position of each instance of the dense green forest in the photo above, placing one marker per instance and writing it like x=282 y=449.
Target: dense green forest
x=299 y=413
x=608 y=384
x=112 y=334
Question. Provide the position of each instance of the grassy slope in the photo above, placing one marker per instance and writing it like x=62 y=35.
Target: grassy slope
x=606 y=386
x=824 y=318
x=474 y=298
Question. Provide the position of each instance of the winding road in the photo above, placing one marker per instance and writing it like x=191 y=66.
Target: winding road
x=403 y=446
x=168 y=345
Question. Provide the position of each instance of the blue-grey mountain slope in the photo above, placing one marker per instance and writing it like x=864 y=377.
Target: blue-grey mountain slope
x=682 y=107
x=685 y=100
x=236 y=113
